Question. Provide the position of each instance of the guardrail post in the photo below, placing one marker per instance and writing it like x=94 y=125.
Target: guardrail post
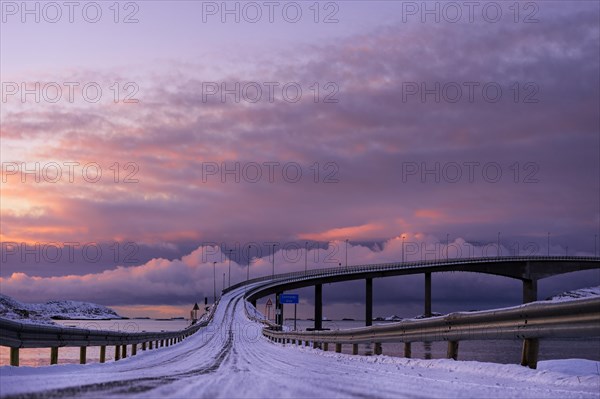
x=54 y=355
x=338 y=348
x=407 y=350
x=117 y=352
x=529 y=356
x=452 y=350
x=82 y=354
x=355 y=349
x=325 y=346
x=103 y=354
x=14 y=357
x=133 y=349
x=124 y=351
x=378 y=348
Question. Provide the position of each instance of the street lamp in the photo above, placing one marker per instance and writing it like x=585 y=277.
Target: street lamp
x=346 y=252
x=230 y=267
x=274 y=260
x=595 y=245
x=249 y=261
x=447 y=246
x=306 y=256
x=402 y=248
x=214 y=282
x=498 y=244
x=548 y=243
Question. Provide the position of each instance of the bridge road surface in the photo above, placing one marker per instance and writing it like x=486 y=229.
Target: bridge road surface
x=231 y=359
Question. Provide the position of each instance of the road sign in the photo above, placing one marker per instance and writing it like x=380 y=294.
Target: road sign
x=289 y=298
x=269 y=303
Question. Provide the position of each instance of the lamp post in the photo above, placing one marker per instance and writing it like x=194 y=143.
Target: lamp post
x=214 y=282
x=402 y=248
x=229 y=285
x=223 y=281
x=306 y=256
x=595 y=245
x=567 y=250
x=498 y=244
x=548 y=243
x=273 y=276
x=249 y=261
x=447 y=246
x=346 y=253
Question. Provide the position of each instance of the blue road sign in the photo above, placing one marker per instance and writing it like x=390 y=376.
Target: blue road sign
x=288 y=298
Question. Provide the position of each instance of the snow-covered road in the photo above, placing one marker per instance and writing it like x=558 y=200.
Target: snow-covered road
x=231 y=359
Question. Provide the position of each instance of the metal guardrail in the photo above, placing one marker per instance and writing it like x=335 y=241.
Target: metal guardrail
x=377 y=267
x=531 y=322
x=20 y=335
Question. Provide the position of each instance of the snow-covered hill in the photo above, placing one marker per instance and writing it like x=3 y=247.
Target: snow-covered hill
x=43 y=313
x=576 y=294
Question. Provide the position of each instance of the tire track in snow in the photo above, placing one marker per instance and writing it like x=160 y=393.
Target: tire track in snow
x=137 y=385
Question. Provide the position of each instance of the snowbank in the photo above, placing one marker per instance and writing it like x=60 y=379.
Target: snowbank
x=43 y=313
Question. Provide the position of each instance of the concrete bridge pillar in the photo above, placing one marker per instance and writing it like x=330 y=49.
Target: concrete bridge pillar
x=278 y=310
x=369 y=302
x=318 y=307
x=529 y=291
x=427 y=295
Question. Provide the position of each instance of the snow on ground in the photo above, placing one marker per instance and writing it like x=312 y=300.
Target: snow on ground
x=42 y=313
x=230 y=358
x=576 y=294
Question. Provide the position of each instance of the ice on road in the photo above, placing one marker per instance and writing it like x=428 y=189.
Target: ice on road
x=230 y=358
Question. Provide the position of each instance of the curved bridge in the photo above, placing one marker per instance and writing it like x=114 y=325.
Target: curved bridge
x=528 y=269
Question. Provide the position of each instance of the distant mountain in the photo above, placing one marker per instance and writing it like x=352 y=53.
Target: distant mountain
x=43 y=313
x=576 y=294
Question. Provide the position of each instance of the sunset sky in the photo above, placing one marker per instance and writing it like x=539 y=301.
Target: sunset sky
x=480 y=125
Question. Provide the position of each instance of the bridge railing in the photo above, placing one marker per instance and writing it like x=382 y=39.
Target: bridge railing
x=20 y=335
x=334 y=271
x=530 y=323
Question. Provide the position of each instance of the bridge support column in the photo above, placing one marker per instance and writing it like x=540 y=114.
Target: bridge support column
x=529 y=291
x=124 y=352
x=318 y=307
x=529 y=356
x=355 y=349
x=369 y=302
x=407 y=350
x=452 y=350
x=117 y=352
x=325 y=346
x=133 y=349
x=103 y=354
x=338 y=348
x=427 y=295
